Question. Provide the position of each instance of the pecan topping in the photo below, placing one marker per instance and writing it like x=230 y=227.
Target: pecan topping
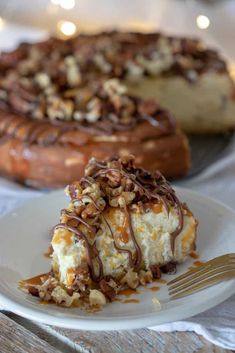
x=33 y=291
x=112 y=183
x=77 y=80
x=156 y=272
x=108 y=291
x=169 y=268
x=81 y=281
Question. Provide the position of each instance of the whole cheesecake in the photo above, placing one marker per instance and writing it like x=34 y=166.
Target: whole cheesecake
x=56 y=114
x=62 y=102
x=183 y=74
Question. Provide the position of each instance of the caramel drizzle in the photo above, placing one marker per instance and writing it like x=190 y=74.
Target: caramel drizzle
x=8 y=122
x=156 y=123
x=102 y=126
x=133 y=263
x=92 y=252
x=31 y=136
x=15 y=128
x=121 y=250
x=165 y=194
x=136 y=263
x=35 y=132
x=99 y=128
x=4 y=139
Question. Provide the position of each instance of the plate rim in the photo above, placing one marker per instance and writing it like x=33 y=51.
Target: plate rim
x=123 y=323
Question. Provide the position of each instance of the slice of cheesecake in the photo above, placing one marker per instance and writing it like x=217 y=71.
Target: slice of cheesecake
x=122 y=228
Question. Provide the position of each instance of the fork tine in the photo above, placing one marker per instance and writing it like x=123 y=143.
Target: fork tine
x=202 y=273
x=204 y=284
x=199 y=277
x=218 y=259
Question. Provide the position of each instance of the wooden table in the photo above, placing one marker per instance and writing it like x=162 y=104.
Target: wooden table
x=18 y=335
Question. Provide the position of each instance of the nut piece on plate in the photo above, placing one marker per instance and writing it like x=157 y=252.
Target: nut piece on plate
x=123 y=227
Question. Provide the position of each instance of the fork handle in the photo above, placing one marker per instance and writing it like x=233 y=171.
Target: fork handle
x=205 y=284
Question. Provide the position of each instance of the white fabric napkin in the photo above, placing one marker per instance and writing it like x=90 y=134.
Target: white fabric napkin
x=217 y=324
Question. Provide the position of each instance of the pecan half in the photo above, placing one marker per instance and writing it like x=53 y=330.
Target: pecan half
x=107 y=290
x=81 y=281
x=33 y=291
x=156 y=272
x=169 y=268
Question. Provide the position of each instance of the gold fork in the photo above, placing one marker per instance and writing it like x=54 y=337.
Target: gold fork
x=219 y=269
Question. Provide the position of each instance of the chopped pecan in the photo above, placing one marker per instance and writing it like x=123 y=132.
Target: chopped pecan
x=92 y=190
x=96 y=298
x=145 y=277
x=114 y=191
x=114 y=178
x=20 y=104
x=60 y=296
x=74 y=190
x=129 y=186
x=33 y=291
x=113 y=86
x=107 y=290
x=81 y=281
x=169 y=268
x=156 y=272
x=42 y=79
x=131 y=278
x=89 y=211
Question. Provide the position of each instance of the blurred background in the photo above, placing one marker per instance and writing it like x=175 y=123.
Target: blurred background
x=212 y=19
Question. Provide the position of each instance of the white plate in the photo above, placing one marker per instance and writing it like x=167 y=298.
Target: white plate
x=25 y=235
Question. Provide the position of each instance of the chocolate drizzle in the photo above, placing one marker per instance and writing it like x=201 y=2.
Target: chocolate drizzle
x=93 y=194
x=110 y=186
x=121 y=250
x=151 y=186
x=138 y=256
x=46 y=133
x=179 y=228
x=92 y=252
